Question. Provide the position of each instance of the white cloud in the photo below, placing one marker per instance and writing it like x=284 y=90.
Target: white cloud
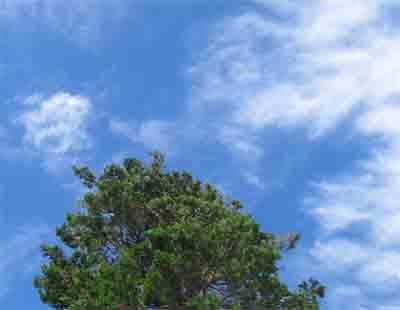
x=343 y=294
x=328 y=22
x=382 y=270
x=326 y=62
x=371 y=196
x=80 y=21
x=240 y=142
x=311 y=73
x=277 y=5
x=254 y=180
x=333 y=218
x=339 y=253
x=22 y=249
x=170 y=138
x=56 y=126
x=153 y=134
x=122 y=128
x=347 y=291
x=382 y=120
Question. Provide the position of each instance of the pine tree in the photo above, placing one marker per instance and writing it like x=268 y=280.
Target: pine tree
x=149 y=238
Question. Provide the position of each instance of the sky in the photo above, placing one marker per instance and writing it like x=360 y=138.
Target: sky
x=290 y=106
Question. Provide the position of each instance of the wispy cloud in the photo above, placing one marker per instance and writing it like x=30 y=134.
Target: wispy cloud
x=240 y=142
x=56 y=126
x=323 y=63
x=79 y=21
x=310 y=72
x=19 y=252
x=153 y=134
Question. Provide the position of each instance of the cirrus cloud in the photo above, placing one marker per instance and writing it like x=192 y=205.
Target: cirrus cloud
x=317 y=65
x=79 y=21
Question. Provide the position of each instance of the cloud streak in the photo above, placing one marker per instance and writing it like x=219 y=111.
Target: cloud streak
x=19 y=252
x=82 y=22
x=153 y=134
x=318 y=65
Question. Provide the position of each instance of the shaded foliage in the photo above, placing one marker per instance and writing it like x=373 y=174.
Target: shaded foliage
x=149 y=238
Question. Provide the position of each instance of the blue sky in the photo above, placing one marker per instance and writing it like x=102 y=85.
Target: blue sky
x=290 y=106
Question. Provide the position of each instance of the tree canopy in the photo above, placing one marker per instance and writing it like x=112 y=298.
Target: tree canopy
x=145 y=237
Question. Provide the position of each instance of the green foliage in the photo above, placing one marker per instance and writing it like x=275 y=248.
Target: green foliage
x=148 y=238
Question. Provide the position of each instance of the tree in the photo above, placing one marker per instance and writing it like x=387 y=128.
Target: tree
x=149 y=238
